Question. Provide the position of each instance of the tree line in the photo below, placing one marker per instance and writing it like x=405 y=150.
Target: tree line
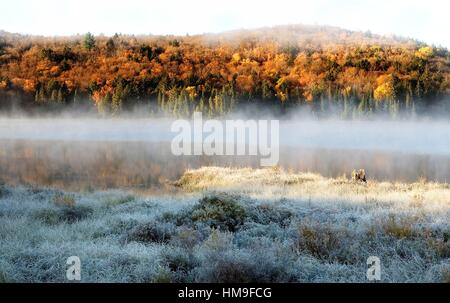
x=356 y=74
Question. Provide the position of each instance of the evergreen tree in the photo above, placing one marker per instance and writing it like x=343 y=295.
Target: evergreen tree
x=266 y=94
x=159 y=99
x=393 y=108
x=89 y=41
x=185 y=107
x=42 y=97
x=163 y=102
x=60 y=97
x=346 y=110
x=104 y=106
x=54 y=96
x=218 y=104
x=232 y=103
x=322 y=104
x=116 y=103
x=175 y=107
x=110 y=46
x=39 y=96
x=413 y=110
x=362 y=106
x=201 y=105
x=75 y=97
x=418 y=90
x=210 y=107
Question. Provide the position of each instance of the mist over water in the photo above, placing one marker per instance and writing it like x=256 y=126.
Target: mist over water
x=108 y=153
x=409 y=137
x=423 y=137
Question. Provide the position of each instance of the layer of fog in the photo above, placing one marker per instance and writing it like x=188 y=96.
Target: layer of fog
x=416 y=137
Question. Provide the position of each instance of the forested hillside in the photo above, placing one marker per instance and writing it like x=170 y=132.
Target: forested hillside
x=283 y=67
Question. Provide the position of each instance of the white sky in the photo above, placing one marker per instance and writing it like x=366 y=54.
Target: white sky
x=424 y=20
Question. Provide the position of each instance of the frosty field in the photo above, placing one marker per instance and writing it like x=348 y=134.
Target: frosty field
x=218 y=224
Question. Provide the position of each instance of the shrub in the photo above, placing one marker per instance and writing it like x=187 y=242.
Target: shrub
x=320 y=241
x=3 y=190
x=218 y=241
x=220 y=211
x=441 y=247
x=150 y=232
x=186 y=237
x=180 y=263
x=35 y=265
x=64 y=214
x=75 y=214
x=440 y=242
x=266 y=214
x=230 y=270
x=163 y=275
x=244 y=266
x=222 y=263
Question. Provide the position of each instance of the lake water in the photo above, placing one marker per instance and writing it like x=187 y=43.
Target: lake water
x=119 y=153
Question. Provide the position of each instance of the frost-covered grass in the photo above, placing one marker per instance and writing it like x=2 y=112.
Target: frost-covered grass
x=230 y=225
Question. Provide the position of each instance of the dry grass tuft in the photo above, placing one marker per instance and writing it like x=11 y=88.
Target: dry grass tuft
x=398 y=227
x=321 y=241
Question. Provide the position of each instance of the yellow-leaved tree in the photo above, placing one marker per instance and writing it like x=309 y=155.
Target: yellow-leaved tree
x=385 y=89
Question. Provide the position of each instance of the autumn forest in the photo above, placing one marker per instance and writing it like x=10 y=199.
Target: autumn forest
x=353 y=73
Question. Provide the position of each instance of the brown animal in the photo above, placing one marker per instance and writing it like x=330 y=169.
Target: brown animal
x=359 y=175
